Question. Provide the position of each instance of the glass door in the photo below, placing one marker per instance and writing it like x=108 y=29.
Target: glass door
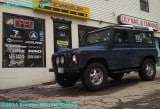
x=62 y=35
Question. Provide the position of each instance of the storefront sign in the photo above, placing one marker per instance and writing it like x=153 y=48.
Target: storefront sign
x=25 y=24
x=62 y=8
x=124 y=19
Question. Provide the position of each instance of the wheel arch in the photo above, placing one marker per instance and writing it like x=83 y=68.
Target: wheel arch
x=148 y=57
x=98 y=60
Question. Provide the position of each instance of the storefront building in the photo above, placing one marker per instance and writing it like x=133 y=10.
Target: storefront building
x=31 y=31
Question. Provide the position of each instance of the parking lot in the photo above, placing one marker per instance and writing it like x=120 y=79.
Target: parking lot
x=130 y=93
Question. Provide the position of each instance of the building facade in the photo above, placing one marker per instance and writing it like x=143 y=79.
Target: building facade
x=31 y=31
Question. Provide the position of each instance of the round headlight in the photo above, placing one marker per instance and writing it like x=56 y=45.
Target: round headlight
x=57 y=60
x=62 y=59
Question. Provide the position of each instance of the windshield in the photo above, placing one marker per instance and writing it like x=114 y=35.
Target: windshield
x=98 y=36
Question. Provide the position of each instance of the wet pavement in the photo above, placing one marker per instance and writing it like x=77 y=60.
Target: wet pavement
x=129 y=93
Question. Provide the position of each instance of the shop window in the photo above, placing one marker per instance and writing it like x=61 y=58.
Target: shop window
x=62 y=35
x=82 y=30
x=23 y=41
x=144 y=5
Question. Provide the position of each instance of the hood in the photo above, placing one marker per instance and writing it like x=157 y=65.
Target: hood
x=92 y=48
x=85 y=48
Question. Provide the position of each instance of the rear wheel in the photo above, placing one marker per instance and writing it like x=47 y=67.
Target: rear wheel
x=117 y=76
x=148 y=70
x=66 y=81
x=94 y=77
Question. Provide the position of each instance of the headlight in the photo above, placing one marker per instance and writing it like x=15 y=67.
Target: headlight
x=57 y=60
x=62 y=59
x=74 y=59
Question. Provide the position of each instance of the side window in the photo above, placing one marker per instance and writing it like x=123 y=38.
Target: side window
x=145 y=38
x=100 y=36
x=121 y=37
x=82 y=30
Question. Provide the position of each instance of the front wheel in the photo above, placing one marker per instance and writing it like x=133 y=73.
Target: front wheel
x=66 y=81
x=148 y=70
x=94 y=77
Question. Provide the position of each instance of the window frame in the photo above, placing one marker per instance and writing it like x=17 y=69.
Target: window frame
x=55 y=30
x=144 y=5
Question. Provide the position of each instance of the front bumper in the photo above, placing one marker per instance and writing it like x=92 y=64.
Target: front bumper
x=68 y=67
x=65 y=70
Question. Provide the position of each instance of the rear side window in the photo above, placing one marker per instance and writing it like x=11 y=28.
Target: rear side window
x=144 y=38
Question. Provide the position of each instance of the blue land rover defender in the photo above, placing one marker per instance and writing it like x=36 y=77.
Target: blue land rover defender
x=107 y=52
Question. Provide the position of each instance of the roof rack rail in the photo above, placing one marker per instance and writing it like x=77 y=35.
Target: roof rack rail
x=124 y=26
x=143 y=28
x=102 y=28
x=135 y=27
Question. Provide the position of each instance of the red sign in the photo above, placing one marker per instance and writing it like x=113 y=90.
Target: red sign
x=124 y=19
x=25 y=24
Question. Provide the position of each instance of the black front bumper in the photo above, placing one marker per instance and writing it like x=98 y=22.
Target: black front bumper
x=66 y=70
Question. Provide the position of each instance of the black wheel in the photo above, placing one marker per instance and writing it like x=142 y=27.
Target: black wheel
x=117 y=76
x=66 y=81
x=94 y=77
x=148 y=70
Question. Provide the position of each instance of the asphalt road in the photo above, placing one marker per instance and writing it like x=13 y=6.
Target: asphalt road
x=130 y=93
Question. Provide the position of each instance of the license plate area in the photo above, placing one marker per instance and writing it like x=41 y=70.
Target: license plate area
x=60 y=70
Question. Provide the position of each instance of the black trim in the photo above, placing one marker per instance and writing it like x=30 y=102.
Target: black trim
x=60 y=20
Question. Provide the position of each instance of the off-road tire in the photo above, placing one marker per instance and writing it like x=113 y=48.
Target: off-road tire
x=66 y=81
x=87 y=79
x=148 y=70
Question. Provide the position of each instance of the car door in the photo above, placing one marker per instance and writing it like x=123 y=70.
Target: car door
x=121 y=50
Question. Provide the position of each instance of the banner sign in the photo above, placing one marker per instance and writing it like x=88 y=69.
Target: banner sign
x=125 y=19
x=62 y=8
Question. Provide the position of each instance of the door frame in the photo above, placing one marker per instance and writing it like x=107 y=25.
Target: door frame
x=57 y=20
